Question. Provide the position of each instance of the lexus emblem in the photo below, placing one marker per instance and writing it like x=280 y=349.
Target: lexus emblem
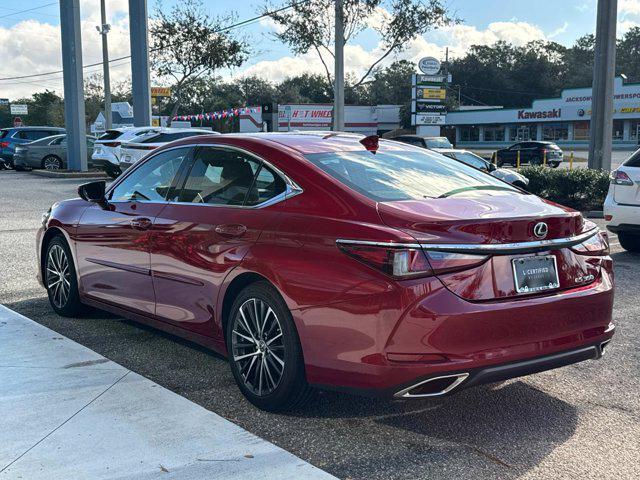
x=540 y=230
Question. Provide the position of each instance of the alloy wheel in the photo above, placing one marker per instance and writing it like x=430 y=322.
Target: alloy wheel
x=58 y=276
x=258 y=346
x=52 y=163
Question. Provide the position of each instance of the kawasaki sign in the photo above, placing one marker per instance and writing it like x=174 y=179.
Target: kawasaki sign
x=540 y=114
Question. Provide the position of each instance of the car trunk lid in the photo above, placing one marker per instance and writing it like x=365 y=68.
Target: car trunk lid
x=504 y=224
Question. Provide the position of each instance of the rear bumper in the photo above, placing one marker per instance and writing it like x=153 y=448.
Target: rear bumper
x=502 y=372
x=101 y=160
x=624 y=218
x=379 y=351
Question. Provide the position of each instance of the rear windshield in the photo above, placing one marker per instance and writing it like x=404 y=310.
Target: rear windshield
x=404 y=175
x=440 y=142
x=634 y=160
x=110 y=135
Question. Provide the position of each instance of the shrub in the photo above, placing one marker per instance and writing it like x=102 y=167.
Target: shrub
x=581 y=189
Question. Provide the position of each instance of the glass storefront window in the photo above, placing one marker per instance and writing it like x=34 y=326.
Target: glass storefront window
x=555 y=131
x=634 y=130
x=469 y=133
x=581 y=130
x=494 y=133
x=618 y=130
x=522 y=132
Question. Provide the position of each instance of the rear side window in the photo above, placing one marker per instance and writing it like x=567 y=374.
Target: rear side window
x=403 y=175
x=4 y=133
x=34 y=134
x=170 y=137
x=110 y=135
x=634 y=160
x=221 y=177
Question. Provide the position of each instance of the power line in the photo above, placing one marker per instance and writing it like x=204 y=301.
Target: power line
x=27 y=10
x=220 y=30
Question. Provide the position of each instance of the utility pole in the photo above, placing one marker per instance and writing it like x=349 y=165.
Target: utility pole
x=74 y=113
x=140 y=83
x=603 y=80
x=338 y=85
x=103 y=29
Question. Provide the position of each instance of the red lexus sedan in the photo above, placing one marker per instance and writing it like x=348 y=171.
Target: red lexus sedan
x=335 y=261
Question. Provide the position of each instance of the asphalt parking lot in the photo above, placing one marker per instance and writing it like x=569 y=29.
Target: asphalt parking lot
x=581 y=421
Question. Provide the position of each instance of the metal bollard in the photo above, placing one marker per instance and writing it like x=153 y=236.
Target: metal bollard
x=544 y=158
x=518 y=160
x=571 y=161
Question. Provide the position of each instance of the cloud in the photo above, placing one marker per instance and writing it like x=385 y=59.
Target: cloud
x=631 y=7
x=559 y=30
x=35 y=47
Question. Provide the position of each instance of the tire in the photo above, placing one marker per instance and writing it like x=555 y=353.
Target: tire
x=630 y=242
x=59 y=276
x=52 y=162
x=266 y=362
x=554 y=164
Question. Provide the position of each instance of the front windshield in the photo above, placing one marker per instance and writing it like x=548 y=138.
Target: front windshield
x=393 y=174
x=438 y=142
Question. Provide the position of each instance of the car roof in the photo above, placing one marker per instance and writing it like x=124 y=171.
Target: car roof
x=35 y=128
x=301 y=142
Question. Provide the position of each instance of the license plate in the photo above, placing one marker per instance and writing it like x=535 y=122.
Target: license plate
x=535 y=274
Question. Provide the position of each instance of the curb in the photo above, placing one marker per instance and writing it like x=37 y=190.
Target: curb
x=69 y=174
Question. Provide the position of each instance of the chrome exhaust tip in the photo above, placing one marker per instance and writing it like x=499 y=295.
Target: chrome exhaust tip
x=433 y=387
x=603 y=345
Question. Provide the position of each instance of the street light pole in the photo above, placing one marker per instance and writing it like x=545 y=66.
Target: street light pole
x=338 y=87
x=104 y=30
x=603 y=80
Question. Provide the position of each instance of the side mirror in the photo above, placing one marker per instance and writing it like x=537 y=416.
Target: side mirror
x=94 y=192
x=492 y=167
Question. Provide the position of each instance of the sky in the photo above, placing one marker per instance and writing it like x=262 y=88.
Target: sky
x=30 y=36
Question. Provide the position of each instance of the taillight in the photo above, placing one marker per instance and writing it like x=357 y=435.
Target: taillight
x=399 y=262
x=618 y=177
x=443 y=262
x=393 y=261
x=596 y=245
x=4 y=144
x=111 y=144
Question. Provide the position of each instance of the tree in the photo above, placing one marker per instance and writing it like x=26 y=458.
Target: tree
x=309 y=27
x=188 y=43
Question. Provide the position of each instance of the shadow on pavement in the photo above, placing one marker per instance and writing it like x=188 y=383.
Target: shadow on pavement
x=497 y=431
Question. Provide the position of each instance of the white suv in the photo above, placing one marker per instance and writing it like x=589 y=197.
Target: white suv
x=622 y=205
x=106 y=151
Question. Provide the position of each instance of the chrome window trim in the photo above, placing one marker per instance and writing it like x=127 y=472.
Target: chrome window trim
x=291 y=188
x=498 y=248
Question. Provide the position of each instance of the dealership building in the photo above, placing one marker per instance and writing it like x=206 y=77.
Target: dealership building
x=564 y=120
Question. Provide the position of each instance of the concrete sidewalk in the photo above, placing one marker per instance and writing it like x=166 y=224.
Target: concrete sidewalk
x=68 y=413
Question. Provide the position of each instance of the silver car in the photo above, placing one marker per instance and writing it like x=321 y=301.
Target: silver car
x=510 y=176
x=49 y=153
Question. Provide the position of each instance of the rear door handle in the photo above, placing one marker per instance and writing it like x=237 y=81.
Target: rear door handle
x=141 y=223
x=234 y=230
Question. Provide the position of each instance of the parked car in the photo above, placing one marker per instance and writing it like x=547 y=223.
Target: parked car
x=49 y=153
x=106 y=152
x=432 y=143
x=335 y=261
x=10 y=137
x=532 y=153
x=470 y=158
x=622 y=205
x=135 y=149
